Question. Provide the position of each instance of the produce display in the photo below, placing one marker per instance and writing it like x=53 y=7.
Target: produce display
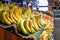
x=27 y=22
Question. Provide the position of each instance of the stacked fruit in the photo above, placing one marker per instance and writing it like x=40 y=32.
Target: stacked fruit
x=27 y=22
x=47 y=21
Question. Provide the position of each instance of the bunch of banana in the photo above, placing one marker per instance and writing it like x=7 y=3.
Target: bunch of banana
x=4 y=8
x=45 y=35
x=9 y=13
x=30 y=25
x=39 y=20
x=27 y=22
x=27 y=26
x=34 y=23
x=49 y=26
x=26 y=13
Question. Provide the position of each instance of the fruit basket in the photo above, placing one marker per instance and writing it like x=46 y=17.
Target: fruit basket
x=24 y=22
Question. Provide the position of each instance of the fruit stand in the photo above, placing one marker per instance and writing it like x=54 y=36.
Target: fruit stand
x=21 y=23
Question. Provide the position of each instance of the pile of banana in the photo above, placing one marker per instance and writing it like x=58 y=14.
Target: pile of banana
x=27 y=21
x=48 y=30
x=12 y=13
x=45 y=35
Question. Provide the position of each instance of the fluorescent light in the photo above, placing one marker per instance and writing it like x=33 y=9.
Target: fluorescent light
x=43 y=8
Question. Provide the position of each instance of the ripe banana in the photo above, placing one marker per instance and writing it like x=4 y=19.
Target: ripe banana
x=23 y=12
x=4 y=18
x=8 y=17
x=35 y=24
x=20 y=11
x=18 y=27
x=31 y=27
x=15 y=18
x=51 y=28
x=11 y=16
x=17 y=14
x=27 y=27
x=22 y=28
x=1 y=17
x=38 y=21
x=7 y=8
x=30 y=13
x=27 y=13
x=41 y=21
x=1 y=7
x=47 y=26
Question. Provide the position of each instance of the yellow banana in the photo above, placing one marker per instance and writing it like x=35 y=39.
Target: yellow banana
x=38 y=21
x=8 y=17
x=26 y=23
x=4 y=18
x=23 y=12
x=45 y=37
x=47 y=26
x=17 y=14
x=22 y=28
x=35 y=24
x=41 y=21
x=31 y=27
x=11 y=16
x=27 y=14
x=18 y=27
x=51 y=28
x=1 y=17
x=20 y=11
x=15 y=18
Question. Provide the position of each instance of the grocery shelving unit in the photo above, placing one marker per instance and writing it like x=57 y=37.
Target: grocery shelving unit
x=8 y=35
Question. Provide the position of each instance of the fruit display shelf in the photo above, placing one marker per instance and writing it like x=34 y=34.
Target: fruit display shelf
x=25 y=22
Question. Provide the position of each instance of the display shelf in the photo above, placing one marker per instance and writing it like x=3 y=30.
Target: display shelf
x=7 y=35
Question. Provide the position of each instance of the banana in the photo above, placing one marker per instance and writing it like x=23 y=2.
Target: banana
x=35 y=25
x=1 y=17
x=26 y=23
x=22 y=28
x=23 y=9
x=20 y=11
x=23 y=12
x=41 y=21
x=6 y=7
x=31 y=27
x=11 y=16
x=1 y=7
x=15 y=18
x=30 y=13
x=4 y=18
x=27 y=14
x=8 y=17
x=18 y=27
x=47 y=26
x=51 y=28
x=45 y=37
x=17 y=14
x=38 y=21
